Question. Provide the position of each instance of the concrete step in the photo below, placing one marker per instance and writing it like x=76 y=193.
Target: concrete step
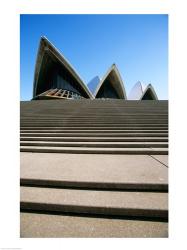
x=89 y=121
x=95 y=116
x=103 y=116
x=125 y=172
x=95 y=128
x=80 y=115
x=108 y=115
x=97 y=121
x=93 y=185
x=95 y=112
x=127 y=127
x=85 y=150
x=143 y=204
x=92 y=108
x=37 y=225
x=91 y=130
x=96 y=139
x=97 y=109
x=86 y=134
x=96 y=144
x=90 y=125
x=90 y=118
x=68 y=110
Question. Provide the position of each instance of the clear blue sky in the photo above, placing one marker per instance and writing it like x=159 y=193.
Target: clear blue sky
x=138 y=44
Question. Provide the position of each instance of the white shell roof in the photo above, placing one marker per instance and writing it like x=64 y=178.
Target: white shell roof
x=139 y=90
x=150 y=87
x=119 y=86
x=45 y=45
x=136 y=91
x=92 y=85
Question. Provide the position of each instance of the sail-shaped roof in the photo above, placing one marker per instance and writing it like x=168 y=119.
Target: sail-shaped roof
x=149 y=93
x=142 y=92
x=111 y=85
x=136 y=91
x=52 y=70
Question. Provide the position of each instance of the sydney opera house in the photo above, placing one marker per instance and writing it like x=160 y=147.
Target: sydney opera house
x=93 y=162
x=56 y=78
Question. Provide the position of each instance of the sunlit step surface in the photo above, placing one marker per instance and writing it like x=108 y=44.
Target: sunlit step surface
x=86 y=150
x=147 y=204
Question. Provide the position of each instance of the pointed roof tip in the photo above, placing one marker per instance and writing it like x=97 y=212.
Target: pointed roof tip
x=44 y=38
x=138 y=82
x=114 y=67
x=44 y=41
x=47 y=42
x=150 y=85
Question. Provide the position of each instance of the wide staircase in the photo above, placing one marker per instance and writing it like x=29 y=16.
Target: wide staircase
x=94 y=168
